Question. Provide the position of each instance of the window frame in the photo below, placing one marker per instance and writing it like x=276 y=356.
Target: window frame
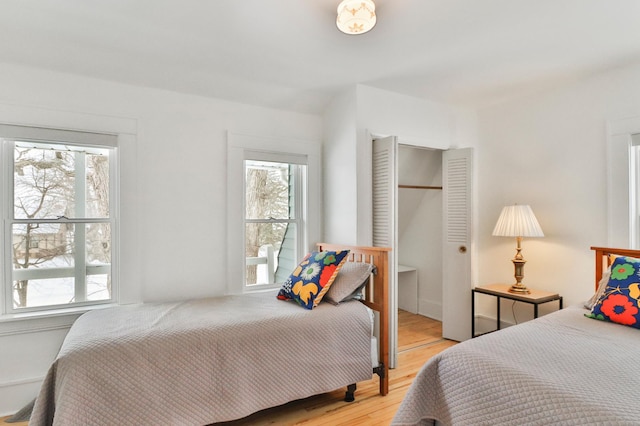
x=9 y=135
x=244 y=147
x=621 y=178
x=634 y=190
x=299 y=217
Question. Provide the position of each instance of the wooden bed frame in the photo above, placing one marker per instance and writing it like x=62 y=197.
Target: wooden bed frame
x=603 y=260
x=376 y=296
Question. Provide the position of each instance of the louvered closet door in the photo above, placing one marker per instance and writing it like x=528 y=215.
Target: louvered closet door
x=385 y=194
x=457 y=204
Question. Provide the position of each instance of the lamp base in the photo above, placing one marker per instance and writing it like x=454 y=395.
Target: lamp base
x=519 y=288
x=518 y=264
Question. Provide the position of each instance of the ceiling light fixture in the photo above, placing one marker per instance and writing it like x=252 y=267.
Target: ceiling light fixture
x=356 y=16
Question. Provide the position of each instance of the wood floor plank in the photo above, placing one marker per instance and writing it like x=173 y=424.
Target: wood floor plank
x=419 y=338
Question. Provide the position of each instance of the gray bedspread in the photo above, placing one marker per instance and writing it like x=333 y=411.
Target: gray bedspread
x=202 y=361
x=562 y=368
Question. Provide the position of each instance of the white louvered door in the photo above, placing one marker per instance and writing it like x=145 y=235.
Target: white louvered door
x=385 y=207
x=457 y=204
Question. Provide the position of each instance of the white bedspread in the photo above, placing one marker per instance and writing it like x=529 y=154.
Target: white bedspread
x=562 y=368
x=202 y=361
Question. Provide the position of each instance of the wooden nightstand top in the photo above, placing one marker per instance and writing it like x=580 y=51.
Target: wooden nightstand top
x=502 y=290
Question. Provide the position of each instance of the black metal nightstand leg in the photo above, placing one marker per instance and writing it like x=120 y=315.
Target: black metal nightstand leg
x=473 y=314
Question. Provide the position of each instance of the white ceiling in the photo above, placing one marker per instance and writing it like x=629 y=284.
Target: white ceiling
x=288 y=53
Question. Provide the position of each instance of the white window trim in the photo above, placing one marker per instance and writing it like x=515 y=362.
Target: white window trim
x=9 y=133
x=238 y=149
x=128 y=254
x=620 y=211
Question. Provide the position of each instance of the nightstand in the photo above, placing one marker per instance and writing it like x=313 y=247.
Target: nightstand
x=501 y=291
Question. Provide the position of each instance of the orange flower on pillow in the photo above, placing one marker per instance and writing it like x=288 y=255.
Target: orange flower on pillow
x=619 y=309
x=327 y=273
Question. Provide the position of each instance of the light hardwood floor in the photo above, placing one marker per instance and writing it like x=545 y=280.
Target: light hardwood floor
x=419 y=338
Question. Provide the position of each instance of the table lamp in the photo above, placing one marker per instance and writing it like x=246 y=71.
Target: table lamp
x=518 y=221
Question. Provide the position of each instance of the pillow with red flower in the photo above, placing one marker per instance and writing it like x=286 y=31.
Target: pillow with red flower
x=311 y=279
x=620 y=300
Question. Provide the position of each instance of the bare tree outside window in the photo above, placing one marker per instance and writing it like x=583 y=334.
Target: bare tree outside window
x=55 y=190
x=267 y=211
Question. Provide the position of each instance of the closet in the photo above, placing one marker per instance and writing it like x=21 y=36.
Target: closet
x=422 y=209
x=419 y=249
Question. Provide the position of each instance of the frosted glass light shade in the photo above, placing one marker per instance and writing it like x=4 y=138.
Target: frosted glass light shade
x=356 y=16
x=517 y=221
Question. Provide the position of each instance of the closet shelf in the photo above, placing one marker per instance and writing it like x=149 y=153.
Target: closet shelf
x=419 y=187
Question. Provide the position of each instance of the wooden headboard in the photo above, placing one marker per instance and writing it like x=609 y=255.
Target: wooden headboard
x=376 y=296
x=603 y=260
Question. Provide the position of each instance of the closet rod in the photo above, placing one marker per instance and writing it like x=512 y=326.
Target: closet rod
x=419 y=187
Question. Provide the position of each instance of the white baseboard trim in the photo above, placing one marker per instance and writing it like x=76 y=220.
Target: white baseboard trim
x=485 y=324
x=430 y=309
x=15 y=394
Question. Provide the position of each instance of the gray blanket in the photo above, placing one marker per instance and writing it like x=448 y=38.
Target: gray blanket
x=202 y=361
x=562 y=368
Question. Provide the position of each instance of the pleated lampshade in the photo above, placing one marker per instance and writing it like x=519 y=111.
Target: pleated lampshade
x=517 y=221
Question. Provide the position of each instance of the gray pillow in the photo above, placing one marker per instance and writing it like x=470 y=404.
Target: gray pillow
x=350 y=280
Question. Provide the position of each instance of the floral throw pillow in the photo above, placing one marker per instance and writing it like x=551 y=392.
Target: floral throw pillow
x=620 y=300
x=311 y=279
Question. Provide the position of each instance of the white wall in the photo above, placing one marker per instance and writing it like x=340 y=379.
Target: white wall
x=414 y=121
x=340 y=178
x=549 y=151
x=349 y=123
x=178 y=174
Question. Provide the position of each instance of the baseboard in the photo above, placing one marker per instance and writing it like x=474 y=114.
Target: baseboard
x=15 y=394
x=485 y=324
x=430 y=309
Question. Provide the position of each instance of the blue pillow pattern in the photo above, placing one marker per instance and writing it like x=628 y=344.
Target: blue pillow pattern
x=620 y=300
x=312 y=278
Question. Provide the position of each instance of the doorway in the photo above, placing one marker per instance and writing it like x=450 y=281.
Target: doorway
x=419 y=247
x=447 y=263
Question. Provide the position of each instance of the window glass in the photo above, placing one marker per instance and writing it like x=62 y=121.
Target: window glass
x=267 y=190
x=45 y=184
x=61 y=230
x=272 y=231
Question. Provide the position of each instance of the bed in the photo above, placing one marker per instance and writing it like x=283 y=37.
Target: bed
x=217 y=359
x=563 y=368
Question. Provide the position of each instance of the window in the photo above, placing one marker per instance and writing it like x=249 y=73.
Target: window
x=273 y=220
x=634 y=185
x=59 y=215
x=273 y=209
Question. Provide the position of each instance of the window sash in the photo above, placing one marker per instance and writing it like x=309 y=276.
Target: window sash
x=296 y=214
x=82 y=142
